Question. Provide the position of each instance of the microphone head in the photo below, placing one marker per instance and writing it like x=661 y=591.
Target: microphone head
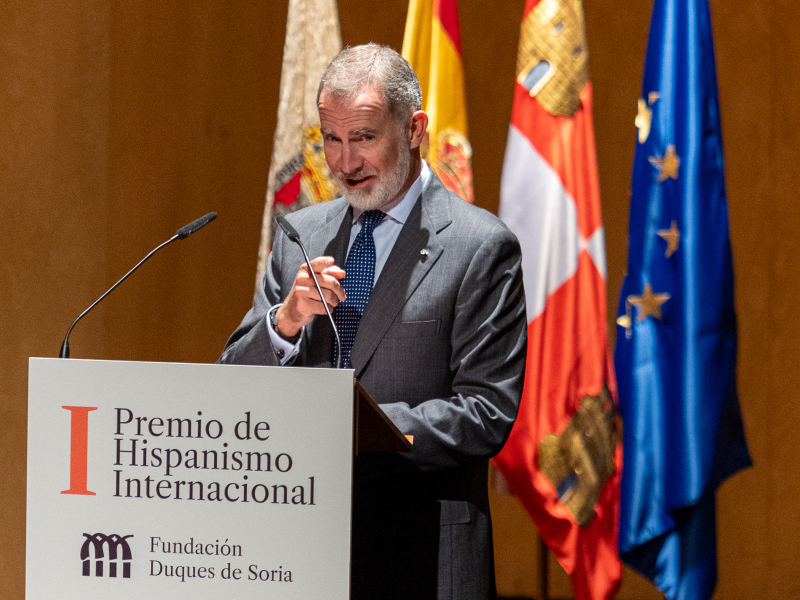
x=290 y=231
x=189 y=229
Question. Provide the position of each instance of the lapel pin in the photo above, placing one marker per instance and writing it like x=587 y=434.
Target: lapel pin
x=424 y=252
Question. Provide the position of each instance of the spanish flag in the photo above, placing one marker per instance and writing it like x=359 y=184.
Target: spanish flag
x=432 y=46
x=564 y=457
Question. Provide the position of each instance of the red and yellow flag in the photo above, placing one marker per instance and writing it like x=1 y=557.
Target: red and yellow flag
x=432 y=46
x=563 y=458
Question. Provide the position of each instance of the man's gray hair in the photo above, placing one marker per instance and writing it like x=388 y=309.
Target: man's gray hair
x=357 y=68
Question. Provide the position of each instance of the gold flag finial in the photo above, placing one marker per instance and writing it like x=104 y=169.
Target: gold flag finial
x=552 y=62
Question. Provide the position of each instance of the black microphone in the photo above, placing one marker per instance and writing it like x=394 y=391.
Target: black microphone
x=181 y=234
x=195 y=225
x=293 y=236
x=290 y=231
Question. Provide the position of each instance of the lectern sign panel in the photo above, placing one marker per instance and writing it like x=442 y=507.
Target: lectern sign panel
x=160 y=480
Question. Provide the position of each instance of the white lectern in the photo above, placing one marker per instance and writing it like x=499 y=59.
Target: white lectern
x=162 y=480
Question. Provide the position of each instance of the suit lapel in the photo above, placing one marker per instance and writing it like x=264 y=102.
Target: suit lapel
x=331 y=237
x=329 y=240
x=414 y=253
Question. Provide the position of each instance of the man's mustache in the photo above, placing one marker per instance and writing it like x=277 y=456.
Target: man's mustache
x=357 y=175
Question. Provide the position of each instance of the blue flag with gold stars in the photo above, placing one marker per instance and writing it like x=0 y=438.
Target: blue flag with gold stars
x=676 y=342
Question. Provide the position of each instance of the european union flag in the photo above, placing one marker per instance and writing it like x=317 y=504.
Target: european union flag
x=676 y=344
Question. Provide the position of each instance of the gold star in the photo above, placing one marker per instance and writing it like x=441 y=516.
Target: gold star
x=649 y=304
x=672 y=236
x=652 y=97
x=642 y=121
x=667 y=164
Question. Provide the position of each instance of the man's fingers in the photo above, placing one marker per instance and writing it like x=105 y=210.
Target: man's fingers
x=321 y=263
x=310 y=295
x=334 y=271
x=331 y=289
x=331 y=282
x=331 y=299
x=328 y=278
x=303 y=301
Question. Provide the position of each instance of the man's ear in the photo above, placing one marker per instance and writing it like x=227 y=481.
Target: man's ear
x=417 y=126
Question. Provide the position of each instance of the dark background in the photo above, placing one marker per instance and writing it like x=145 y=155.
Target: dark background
x=122 y=121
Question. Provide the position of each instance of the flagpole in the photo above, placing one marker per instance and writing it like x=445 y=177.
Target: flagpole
x=544 y=583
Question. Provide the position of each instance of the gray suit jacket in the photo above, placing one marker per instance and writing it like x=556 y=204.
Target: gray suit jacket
x=441 y=347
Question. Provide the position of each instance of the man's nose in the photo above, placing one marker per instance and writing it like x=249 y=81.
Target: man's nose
x=351 y=159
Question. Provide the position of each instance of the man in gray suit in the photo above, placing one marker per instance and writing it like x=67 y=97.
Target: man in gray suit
x=431 y=309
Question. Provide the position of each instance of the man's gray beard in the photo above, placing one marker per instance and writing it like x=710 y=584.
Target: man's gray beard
x=385 y=187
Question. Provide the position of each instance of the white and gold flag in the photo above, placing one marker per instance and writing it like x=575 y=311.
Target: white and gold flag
x=298 y=173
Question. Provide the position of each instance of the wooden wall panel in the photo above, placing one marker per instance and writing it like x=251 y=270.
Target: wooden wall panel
x=53 y=160
x=122 y=121
x=746 y=114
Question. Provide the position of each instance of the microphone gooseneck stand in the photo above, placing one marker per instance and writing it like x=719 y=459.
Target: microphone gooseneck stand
x=181 y=234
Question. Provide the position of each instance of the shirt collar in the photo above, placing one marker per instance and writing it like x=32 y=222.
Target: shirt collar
x=401 y=208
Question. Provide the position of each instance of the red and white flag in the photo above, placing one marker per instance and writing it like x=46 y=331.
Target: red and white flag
x=298 y=173
x=564 y=456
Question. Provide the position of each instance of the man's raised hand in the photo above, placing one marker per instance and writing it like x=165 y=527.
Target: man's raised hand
x=303 y=302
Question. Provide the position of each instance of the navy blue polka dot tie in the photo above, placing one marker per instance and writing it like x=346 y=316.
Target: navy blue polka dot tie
x=357 y=283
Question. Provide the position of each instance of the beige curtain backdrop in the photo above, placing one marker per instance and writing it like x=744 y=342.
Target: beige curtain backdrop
x=122 y=121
